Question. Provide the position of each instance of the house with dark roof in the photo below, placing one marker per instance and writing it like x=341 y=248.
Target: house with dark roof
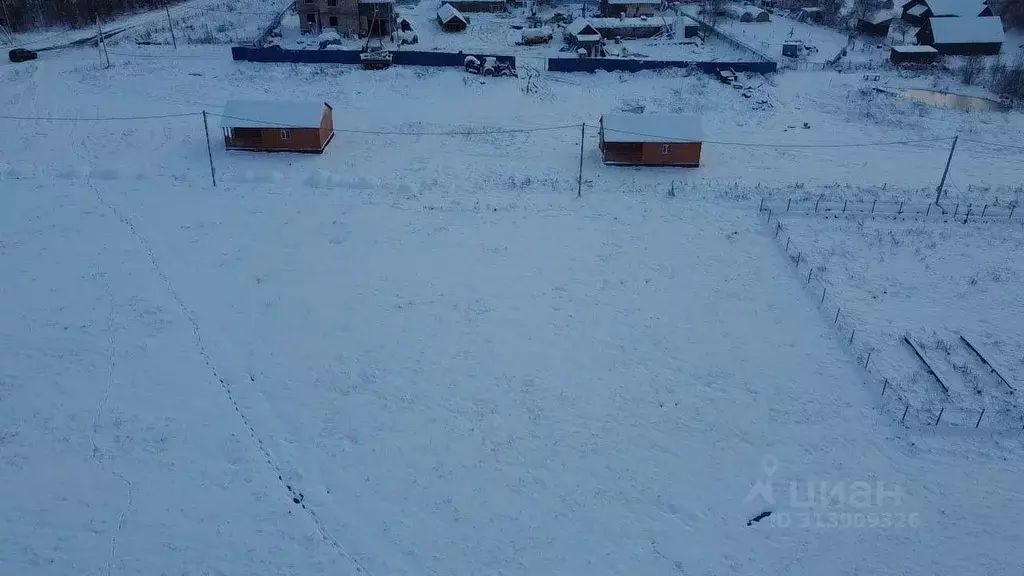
x=963 y=36
x=917 y=12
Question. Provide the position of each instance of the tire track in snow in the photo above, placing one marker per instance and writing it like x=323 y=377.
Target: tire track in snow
x=296 y=495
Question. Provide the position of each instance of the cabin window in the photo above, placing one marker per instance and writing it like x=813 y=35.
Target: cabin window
x=332 y=3
x=286 y=135
x=666 y=149
x=332 y=20
x=311 y=18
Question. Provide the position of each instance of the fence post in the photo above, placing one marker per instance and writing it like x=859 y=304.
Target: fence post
x=850 y=343
x=823 y=288
x=928 y=211
x=579 y=179
x=788 y=238
x=845 y=202
x=761 y=208
x=838 y=310
x=809 y=272
x=867 y=360
x=983 y=210
x=941 y=410
x=170 y=26
x=901 y=208
x=788 y=204
x=798 y=255
x=957 y=210
x=209 y=149
x=778 y=226
x=1012 y=208
x=903 y=420
x=942 y=182
x=884 y=386
x=769 y=215
x=875 y=201
x=978 y=423
x=968 y=215
x=816 y=204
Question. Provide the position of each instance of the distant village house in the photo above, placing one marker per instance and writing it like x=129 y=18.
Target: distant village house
x=628 y=8
x=480 y=5
x=917 y=12
x=450 y=19
x=347 y=17
x=963 y=36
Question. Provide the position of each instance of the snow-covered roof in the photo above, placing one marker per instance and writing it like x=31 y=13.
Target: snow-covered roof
x=880 y=16
x=917 y=10
x=659 y=128
x=649 y=22
x=376 y=1
x=983 y=30
x=632 y=2
x=956 y=7
x=272 y=114
x=583 y=30
x=447 y=12
x=914 y=49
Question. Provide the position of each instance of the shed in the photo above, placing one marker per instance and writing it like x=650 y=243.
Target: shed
x=913 y=55
x=963 y=36
x=451 y=20
x=792 y=48
x=651 y=139
x=691 y=30
x=628 y=8
x=273 y=126
x=876 y=23
x=480 y=5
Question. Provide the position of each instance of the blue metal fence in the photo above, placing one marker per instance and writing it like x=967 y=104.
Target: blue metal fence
x=398 y=57
x=625 y=65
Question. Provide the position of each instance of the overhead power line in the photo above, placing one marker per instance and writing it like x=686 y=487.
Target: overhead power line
x=498 y=130
x=769 y=145
x=994 y=144
x=97 y=119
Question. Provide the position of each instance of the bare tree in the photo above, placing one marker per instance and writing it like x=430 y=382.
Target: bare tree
x=971 y=69
x=900 y=27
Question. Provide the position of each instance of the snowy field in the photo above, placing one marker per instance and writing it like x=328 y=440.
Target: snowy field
x=423 y=354
x=941 y=282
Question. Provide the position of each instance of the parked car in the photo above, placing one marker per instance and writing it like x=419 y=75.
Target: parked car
x=22 y=55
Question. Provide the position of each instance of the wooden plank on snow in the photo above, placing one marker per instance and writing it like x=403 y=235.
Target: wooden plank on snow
x=986 y=359
x=924 y=360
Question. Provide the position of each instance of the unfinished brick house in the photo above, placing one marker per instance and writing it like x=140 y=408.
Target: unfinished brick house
x=347 y=17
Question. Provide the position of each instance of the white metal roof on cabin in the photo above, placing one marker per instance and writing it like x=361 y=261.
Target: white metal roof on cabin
x=917 y=10
x=983 y=30
x=272 y=114
x=956 y=7
x=446 y=12
x=914 y=49
x=658 y=128
x=648 y=22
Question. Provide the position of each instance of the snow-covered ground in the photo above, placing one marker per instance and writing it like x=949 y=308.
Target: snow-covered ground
x=935 y=279
x=423 y=354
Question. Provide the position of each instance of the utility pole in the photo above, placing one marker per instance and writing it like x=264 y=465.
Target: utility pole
x=209 y=150
x=101 y=45
x=170 y=26
x=579 y=179
x=942 y=182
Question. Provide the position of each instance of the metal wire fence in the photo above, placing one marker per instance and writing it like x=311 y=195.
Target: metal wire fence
x=892 y=400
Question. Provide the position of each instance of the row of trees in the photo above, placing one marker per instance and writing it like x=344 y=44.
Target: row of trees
x=20 y=15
